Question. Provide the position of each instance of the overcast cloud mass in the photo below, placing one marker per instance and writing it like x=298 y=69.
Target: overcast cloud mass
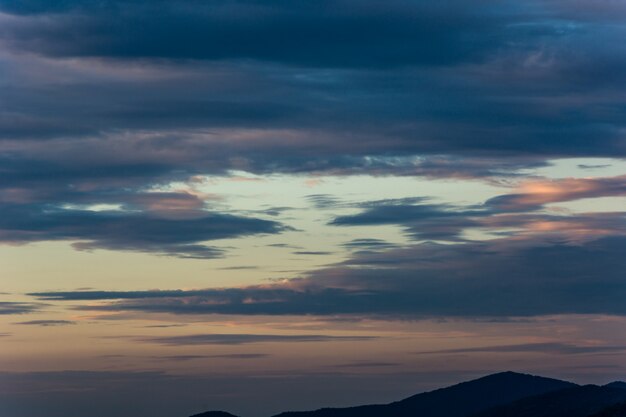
x=393 y=182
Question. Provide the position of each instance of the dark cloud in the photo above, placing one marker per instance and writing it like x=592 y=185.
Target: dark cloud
x=238 y=268
x=426 y=221
x=535 y=194
x=368 y=244
x=519 y=212
x=336 y=33
x=179 y=358
x=234 y=356
x=522 y=80
x=549 y=347
x=10 y=307
x=240 y=356
x=367 y=365
x=597 y=166
x=497 y=278
x=241 y=339
x=324 y=201
x=147 y=231
x=403 y=88
x=46 y=323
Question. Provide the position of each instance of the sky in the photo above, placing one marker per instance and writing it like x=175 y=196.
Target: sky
x=270 y=205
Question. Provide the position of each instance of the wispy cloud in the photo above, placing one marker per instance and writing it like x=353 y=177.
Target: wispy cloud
x=548 y=348
x=10 y=307
x=127 y=230
x=233 y=356
x=46 y=323
x=241 y=339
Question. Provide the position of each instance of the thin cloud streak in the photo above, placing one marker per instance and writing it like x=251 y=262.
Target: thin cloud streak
x=553 y=348
x=46 y=323
x=242 y=339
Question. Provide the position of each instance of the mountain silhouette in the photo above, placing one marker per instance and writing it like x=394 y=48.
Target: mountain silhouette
x=459 y=400
x=618 y=410
x=617 y=384
x=214 y=414
x=580 y=401
x=505 y=394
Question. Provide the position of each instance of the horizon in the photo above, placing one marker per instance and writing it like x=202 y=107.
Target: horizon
x=262 y=205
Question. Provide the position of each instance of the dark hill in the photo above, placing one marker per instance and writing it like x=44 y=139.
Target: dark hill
x=459 y=400
x=214 y=414
x=617 y=384
x=618 y=410
x=580 y=401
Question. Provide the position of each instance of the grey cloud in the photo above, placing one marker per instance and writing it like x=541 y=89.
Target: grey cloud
x=365 y=364
x=562 y=190
x=498 y=278
x=324 y=201
x=422 y=221
x=240 y=339
x=368 y=244
x=355 y=34
x=10 y=307
x=308 y=252
x=163 y=326
x=466 y=109
x=588 y=166
x=46 y=323
x=397 y=88
x=518 y=212
x=240 y=356
x=179 y=358
x=238 y=268
x=128 y=230
x=234 y=356
x=549 y=347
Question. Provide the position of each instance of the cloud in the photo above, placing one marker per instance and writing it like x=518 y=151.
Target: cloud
x=548 y=347
x=46 y=323
x=366 y=364
x=234 y=356
x=498 y=278
x=368 y=244
x=241 y=339
x=426 y=221
x=97 y=112
x=305 y=252
x=536 y=193
x=494 y=79
x=513 y=214
x=9 y=307
x=240 y=356
x=128 y=230
x=355 y=34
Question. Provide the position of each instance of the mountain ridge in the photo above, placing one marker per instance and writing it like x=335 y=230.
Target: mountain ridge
x=503 y=394
x=578 y=401
x=459 y=400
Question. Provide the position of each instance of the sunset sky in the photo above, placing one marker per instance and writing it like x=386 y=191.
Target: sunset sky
x=265 y=205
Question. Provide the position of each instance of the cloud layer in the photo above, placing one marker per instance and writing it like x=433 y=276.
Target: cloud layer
x=506 y=277
x=101 y=104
